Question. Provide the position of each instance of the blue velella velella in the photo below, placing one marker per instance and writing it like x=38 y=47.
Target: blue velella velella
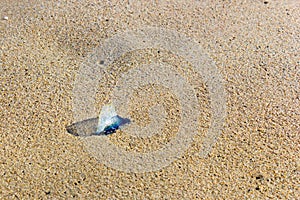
x=107 y=123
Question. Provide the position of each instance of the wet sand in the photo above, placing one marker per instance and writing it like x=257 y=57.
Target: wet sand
x=254 y=45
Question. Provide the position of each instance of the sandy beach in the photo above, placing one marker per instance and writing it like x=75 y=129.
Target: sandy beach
x=215 y=83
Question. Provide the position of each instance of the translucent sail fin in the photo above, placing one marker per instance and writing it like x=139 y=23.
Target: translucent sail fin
x=106 y=116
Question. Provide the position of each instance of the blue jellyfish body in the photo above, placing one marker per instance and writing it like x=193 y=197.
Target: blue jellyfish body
x=109 y=121
x=117 y=122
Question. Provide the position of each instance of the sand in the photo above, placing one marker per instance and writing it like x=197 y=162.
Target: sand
x=255 y=47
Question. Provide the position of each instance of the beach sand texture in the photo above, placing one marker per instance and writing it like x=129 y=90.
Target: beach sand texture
x=255 y=47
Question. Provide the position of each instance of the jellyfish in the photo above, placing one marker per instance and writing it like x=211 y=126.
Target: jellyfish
x=107 y=123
